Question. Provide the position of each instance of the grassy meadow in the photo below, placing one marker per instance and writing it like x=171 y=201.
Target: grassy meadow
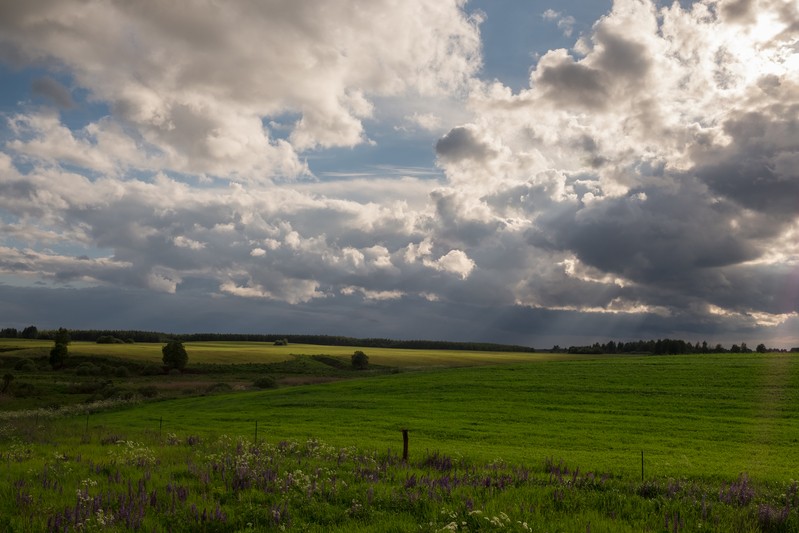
x=505 y=442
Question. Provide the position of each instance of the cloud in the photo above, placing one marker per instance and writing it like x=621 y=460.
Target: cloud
x=565 y=23
x=644 y=181
x=198 y=80
x=649 y=170
x=463 y=143
x=54 y=91
x=426 y=121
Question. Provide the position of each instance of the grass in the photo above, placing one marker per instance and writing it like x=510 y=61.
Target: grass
x=544 y=445
x=712 y=416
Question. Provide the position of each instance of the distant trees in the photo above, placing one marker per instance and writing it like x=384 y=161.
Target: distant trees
x=663 y=347
x=9 y=333
x=360 y=360
x=60 y=350
x=31 y=332
x=175 y=355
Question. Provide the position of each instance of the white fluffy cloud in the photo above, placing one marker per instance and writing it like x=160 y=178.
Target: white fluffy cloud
x=653 y=153
x=650 y=170
x=197 y=80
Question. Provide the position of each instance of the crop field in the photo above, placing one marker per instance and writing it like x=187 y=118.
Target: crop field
x=261 y=352
x=548 y=444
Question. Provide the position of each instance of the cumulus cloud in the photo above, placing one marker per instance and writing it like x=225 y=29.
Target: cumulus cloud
x=198 y=80
x=657 y=154
x=645 y=178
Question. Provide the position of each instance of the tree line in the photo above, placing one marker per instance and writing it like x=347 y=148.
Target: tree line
x=665 y=346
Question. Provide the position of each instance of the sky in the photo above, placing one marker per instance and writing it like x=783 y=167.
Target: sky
x=518 y=171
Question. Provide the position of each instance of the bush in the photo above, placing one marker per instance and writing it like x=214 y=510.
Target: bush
x=7 y=379
x=360 y=360
x=87 y=369
x=106 y=392
x=121 y=372
x=218 y=387
x=25 y=365
x=265 y=382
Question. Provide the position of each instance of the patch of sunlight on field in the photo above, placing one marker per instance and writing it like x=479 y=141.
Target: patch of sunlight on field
x=236 y=352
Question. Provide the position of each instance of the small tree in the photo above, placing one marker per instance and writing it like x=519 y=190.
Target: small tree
x=58 y=355
x=360 y=360
x=62 y=337
x=60 y=352
x=174 y=355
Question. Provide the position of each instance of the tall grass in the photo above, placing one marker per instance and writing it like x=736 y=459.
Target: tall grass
x=108 y=479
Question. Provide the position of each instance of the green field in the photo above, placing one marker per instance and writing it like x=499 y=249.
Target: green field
x=537 y=442
x=707 y=416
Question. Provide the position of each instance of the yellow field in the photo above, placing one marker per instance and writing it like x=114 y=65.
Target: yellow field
x=261 y=352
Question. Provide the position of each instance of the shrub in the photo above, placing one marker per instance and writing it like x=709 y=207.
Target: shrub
x=87 y=369
x=265 y=382
x=108 y=391
x=360 y=360
x=219 y=387
x=7 y=379
x=121 y=372
x=25 y=365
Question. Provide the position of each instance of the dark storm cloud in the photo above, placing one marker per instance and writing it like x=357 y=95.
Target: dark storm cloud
x=653 y=236
x=758 y=168
x=462 y=143
x=54 y=91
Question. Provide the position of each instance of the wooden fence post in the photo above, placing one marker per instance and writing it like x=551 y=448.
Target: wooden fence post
x=404 y=445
